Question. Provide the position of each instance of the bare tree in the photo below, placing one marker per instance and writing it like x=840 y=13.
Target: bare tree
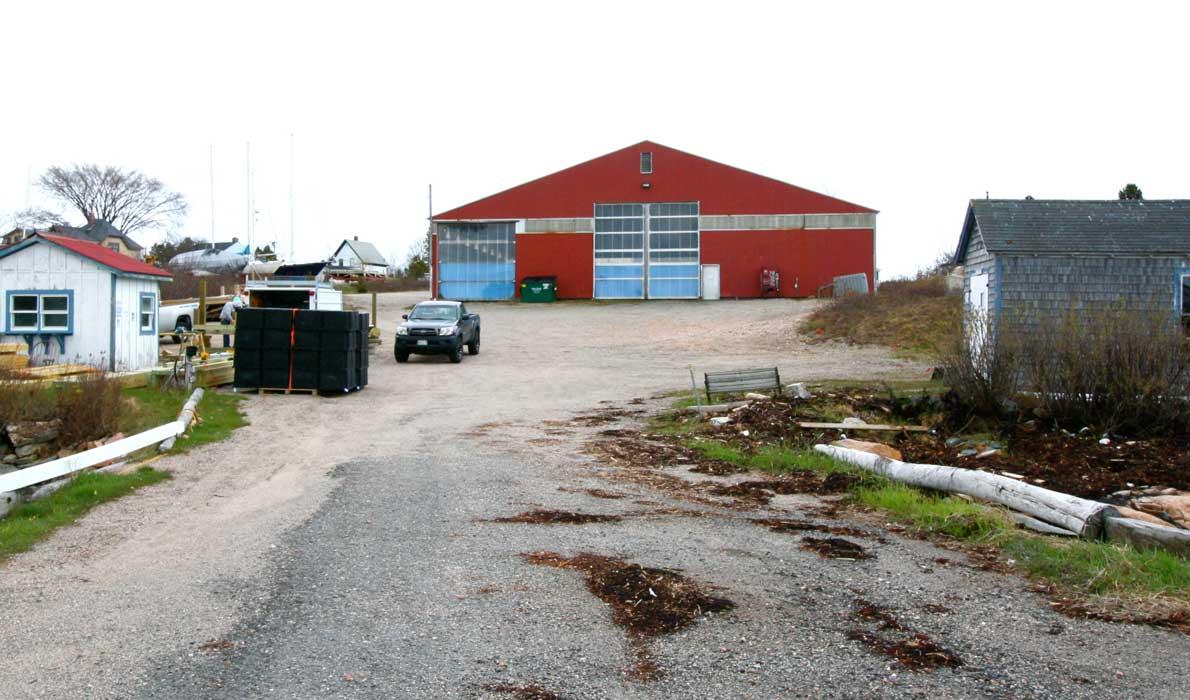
x=128 y=200
x=35 y=218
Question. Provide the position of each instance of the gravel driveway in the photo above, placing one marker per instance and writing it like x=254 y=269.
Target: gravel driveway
x=336 y=547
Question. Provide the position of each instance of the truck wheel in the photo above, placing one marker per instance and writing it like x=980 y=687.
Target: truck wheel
x=402 y=356
x=456 y=355
x=473 y=346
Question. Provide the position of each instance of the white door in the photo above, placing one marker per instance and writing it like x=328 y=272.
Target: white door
x=710 y=282
x=977 y=311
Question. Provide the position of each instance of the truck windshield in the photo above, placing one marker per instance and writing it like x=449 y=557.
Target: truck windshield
x=434 y=313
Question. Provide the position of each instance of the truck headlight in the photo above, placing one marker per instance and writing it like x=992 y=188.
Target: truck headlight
x=448 y=330
x=402 y=330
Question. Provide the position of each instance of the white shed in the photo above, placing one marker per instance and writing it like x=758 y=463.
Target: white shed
x=356 y=257
x=72 y=301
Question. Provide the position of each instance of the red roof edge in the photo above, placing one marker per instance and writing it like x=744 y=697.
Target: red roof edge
x=105 y=256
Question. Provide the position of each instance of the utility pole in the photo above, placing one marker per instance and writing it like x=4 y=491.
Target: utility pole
x=292 y=253
x=211 y=170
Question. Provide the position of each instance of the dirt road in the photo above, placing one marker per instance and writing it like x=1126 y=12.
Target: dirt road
x=336 y=548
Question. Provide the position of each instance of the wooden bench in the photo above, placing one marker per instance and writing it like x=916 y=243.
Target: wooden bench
x=741 y=380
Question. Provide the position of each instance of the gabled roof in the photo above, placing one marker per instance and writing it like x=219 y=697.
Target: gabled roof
x=1079 y=226
x=97 y=232
x=308 y=270
x=366 y=252
x=677 y=177
x=117 y=262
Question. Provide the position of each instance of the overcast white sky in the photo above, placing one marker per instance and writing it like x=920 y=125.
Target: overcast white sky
x=909 y=108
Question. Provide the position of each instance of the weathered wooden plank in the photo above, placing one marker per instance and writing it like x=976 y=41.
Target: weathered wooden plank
x=11 y=348
x=12 y=361
x=865 y=426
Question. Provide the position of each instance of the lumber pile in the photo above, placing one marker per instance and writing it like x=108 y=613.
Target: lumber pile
x=11 y=356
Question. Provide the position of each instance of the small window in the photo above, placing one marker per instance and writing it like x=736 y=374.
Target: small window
x=1186 y=297
x=36 y=311
x=114 y=247
x=646 y=163
x=22 y=312
x=55 y=312
x=148 y=317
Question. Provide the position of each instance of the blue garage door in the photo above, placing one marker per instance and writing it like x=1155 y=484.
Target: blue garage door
x=646 y=251
x=619 y=251
x=477 y=262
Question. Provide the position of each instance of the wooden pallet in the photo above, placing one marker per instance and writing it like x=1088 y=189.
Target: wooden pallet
x=271 y=390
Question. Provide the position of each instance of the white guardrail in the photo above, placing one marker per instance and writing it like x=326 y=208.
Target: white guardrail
x=83 y=460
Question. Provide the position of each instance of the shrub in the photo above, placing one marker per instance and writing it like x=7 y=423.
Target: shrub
x=1114 y=369
x=89 y=408
x=914 y=316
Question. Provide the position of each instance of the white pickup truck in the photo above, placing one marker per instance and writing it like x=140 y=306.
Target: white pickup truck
x=179 y=317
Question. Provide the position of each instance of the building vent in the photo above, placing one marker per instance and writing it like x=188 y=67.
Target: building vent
x=646 y=163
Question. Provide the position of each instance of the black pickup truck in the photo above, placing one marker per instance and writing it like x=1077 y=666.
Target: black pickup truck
x=438 y=328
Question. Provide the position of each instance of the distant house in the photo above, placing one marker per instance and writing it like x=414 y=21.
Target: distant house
x=1036 y=257
x=17 y=235
x=355 y=257
x=101 y=233
x=231 y=255
x=73 y=301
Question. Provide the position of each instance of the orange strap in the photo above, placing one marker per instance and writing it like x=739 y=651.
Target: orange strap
x=292 y=333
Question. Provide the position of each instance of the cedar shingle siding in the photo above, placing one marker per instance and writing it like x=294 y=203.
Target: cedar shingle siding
x=1047 y=257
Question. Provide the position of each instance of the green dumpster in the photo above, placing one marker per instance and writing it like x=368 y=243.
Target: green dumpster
x=539 y=290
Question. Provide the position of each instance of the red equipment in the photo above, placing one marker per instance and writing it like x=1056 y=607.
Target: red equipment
x=770 y=282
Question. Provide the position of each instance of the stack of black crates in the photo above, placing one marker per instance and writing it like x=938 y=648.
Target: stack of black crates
x=324 y=351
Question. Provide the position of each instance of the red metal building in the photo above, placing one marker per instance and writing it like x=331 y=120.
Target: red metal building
x=649 y=221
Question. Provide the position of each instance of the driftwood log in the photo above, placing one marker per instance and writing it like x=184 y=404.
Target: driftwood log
x=186 y=417
x=1078 y=515
x=1086 y=518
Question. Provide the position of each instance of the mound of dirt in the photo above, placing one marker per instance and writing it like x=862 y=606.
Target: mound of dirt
x=835 y=548
x=780 y=525
x=522 y=692
x=645 y=601
x=916 y=652
x=557 y=517
x=1077 y=465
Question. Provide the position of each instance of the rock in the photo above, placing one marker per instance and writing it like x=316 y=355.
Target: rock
x=1134 y=514
x=719 y=421
x=987 y=453
x=852 y=420
x=33 y=449
x=799 y=391
x=1104 y=441
x=9 y=459
x=1176 y=508
x=753 y=396
x=26 y=432
x=875 y=448
x=968 y=453
x=952 y=441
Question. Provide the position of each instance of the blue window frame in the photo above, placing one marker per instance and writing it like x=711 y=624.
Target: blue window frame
x=39 y=312
x=146 y=315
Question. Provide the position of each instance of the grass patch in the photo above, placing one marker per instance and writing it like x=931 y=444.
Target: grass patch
x=219 y=414
x=1093 y=568
x=32 y=522
x=1102 y=569
x=955 y=517
x=916 y=318
x=775 y=459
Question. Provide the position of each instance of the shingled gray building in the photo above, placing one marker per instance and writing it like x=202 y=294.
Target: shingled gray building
x=1034 y=257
